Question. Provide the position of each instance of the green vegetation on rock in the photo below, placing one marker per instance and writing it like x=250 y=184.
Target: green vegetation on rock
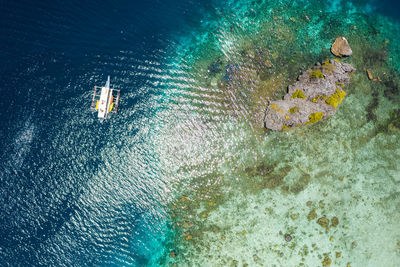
x=314 y=117
x=294 y=109
x=336 y=98
x=317 y=74
x=298 y=94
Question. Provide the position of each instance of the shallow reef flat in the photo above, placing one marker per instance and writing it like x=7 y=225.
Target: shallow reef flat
x=325 y=194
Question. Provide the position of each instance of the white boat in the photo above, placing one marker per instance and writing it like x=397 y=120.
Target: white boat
x=105 y=102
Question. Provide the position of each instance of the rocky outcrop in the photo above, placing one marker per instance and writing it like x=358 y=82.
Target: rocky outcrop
x=341 y=48
x=315 y=96
x=371 y=76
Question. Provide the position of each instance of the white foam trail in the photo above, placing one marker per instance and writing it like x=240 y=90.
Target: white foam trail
x=22 y=143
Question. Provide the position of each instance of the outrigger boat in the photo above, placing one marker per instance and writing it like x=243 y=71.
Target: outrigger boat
x=105 y=102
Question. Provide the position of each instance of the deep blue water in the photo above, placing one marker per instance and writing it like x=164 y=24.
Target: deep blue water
x=57 y=206
x=73 y=191
x=389 y=8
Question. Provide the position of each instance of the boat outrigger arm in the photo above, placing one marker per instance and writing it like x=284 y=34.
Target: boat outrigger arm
x=105 y=102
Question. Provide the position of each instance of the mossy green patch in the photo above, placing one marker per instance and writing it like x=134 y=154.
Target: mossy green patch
x=314 y=117
x=298 y=94
x=336 y=98
x=318 y=98
x=316 y=74
x=294 y=109
x=340 y=84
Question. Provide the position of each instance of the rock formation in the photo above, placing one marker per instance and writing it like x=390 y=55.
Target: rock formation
x=341 y=48
x=315 y=96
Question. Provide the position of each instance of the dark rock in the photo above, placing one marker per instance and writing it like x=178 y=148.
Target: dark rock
x=323 y=221
x=288 y=237
x=334 y=221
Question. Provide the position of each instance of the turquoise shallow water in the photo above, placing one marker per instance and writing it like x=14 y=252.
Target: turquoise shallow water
x=186 y=174
x=241 y=189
